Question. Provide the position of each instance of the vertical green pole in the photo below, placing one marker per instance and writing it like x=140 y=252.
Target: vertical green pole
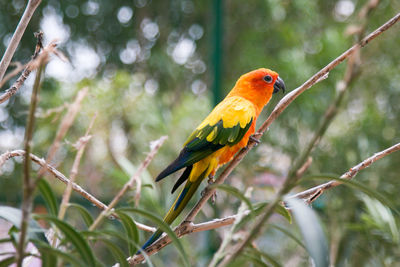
x=217 y=53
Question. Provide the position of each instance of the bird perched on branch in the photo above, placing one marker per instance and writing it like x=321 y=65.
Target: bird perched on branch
x=220 y=136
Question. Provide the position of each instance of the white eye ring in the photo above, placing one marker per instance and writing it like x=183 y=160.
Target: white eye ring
x=268 y=78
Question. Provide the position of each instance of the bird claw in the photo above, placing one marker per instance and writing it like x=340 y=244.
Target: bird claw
x=254 y=139
x=210 y=181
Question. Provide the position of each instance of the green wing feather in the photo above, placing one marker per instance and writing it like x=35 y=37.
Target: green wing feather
x=199 y=146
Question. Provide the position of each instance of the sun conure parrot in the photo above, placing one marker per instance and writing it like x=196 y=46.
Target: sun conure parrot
x=216 y=140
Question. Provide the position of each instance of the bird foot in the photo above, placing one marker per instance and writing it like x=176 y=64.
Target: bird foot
x=254 y=139
x=210 y=181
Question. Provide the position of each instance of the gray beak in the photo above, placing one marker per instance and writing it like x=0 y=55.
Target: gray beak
x=279 y=85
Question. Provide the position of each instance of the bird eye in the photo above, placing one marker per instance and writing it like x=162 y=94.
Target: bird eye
x=267 y=78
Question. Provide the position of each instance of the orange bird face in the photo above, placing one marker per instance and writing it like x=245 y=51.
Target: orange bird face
x=258 y=86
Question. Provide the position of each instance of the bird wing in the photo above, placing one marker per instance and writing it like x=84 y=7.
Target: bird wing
x=224 y=126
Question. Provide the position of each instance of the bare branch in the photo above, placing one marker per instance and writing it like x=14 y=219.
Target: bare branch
x=28 y=186
x=42 y=163
x=24 y=75
x=16 y=38
x=313 y=193
x=280 y=107
x=81 y=145
x=129 y=184
x=65 y=124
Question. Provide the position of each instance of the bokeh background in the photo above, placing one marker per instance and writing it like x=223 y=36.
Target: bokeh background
x=157 y=68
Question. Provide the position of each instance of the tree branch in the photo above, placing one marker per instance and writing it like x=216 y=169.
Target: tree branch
x=77 y=188
x=312 y=194
x=80 y=145
x=12 y=46
x=129 y=184
x=24 y=75
x=28 y=186
x=280 y=107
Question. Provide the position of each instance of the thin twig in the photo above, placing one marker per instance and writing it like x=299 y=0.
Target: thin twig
x=65 y=124
x=313 y=193
x=18 y=68
x=186 y=228
x=28 y=186
x=280 y=107
x=16 y=38
x=156 y=146
x=24 y=75
x=224 y=247
x=77 y=188
x=80 y=145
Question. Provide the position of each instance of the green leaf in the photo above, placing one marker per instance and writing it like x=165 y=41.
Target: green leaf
x=70 y=234
x=258 y=207
x=7 y=261
x=311 y=231
x=235 y=192
x=46 y=250
x=356 y=185
x=14 y=216
x=49 y=197
x=130 y=229
x=86 y=216
x=261 y=254
x=163 y=226
x=381 y=217
x=116 y=251
x=289 y=234
x=257 y=261
x=98 y=235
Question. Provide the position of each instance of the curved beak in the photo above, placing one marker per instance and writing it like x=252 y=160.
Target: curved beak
x=279 y=85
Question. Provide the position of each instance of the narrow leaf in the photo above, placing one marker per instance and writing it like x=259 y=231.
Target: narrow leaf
x=7 y=261
x=49 y=197
x=130 y=229
x=311 y=231
x=289 y=234
x=14 y=216
x=163 y=226
x=116 y=251
x=359 y=186
x=70 y=234
x=235 y=192
x=86 y=216
x=66 y=257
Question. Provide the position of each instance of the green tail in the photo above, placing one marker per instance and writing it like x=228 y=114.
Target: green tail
x=184 y=196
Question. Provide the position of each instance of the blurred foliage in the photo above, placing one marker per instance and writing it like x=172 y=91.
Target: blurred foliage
x=148 y=66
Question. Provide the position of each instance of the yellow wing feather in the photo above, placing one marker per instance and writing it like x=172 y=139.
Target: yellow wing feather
x=231 y=111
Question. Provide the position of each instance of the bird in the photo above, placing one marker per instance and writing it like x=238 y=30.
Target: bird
x=225 y=131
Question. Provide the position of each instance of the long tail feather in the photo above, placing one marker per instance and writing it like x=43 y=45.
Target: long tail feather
x=183 y=198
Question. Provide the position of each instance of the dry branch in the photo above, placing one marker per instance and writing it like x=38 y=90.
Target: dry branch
x=24 y=75
x=280 y=107
x=12 y=46
x=188 y=227
x=66 y=123
x=80 y=146
x=313 y=193
x=129 y=184
x=28 y=185
x=77 y=188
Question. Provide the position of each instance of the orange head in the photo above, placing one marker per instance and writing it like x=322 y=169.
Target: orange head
x=258 y=86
